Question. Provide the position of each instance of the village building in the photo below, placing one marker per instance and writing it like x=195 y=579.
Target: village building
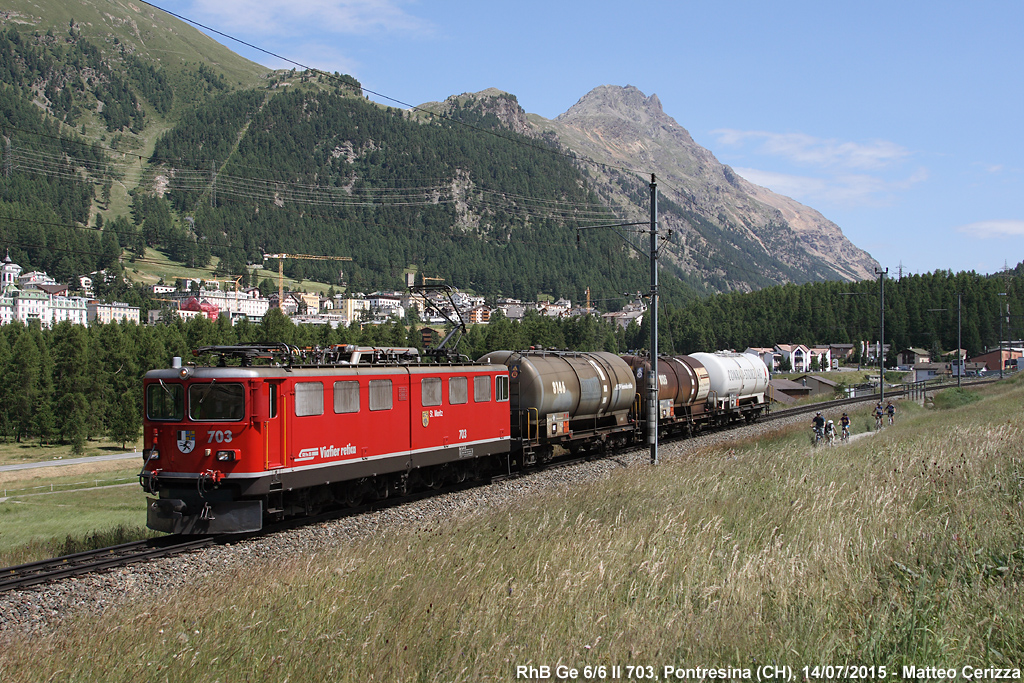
x=797 y=355
x=115 y=312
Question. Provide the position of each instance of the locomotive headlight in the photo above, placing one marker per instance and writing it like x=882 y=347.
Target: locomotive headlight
x=227 y=456
x=184 y=372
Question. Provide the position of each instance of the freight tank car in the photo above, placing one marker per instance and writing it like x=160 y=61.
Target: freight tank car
x=576 y=400
x=738 y=382
x=266 y=432
x=683 y=387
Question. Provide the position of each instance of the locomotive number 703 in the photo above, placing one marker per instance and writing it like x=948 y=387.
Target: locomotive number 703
x=219 y=436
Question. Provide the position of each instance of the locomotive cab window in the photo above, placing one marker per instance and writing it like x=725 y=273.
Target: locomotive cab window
x=481 y=389
x=216 y=401
x=165 y=401
x=458 y=391
x=501 y=388
x=309 y=398
x=430 y=390
x=380 y=394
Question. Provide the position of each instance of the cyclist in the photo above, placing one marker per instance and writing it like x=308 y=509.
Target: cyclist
x=844 y=422
x=819 y=427
x=891 y=410
x=878 y=416
x=830 y=433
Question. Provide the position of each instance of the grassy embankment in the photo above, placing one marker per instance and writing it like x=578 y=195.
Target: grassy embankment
x=904 y=547
x=52 y=511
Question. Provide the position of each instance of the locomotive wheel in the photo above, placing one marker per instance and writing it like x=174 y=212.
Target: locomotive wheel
x=353 y=494
x=437 y=476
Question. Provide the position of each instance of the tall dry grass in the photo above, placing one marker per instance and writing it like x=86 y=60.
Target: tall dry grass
x=902 y=547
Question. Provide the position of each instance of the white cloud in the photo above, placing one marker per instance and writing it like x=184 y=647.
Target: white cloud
x=812 y=151
x=850 y=189
x=274 y=18
x=989 y=229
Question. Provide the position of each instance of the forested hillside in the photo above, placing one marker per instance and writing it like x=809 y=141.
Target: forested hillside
x=319 y=171
x=838 y=312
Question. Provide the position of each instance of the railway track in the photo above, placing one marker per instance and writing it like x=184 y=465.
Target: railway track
x=101 y=559
x=79 y=564
x=870 y=398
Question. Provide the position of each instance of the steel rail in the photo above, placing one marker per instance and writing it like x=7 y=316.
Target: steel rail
x=87 y=562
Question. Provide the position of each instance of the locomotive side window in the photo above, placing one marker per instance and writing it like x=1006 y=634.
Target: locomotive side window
x=346 y=397
x=309 y=398
x=216 y=401
x=501 y=388
x=458 y=391
x=380 y=394
x=165 y=401
x=481 y=389
x=431 y=391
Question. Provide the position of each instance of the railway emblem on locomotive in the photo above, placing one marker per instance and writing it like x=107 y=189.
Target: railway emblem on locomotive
x=186 y=440
x=426 y=417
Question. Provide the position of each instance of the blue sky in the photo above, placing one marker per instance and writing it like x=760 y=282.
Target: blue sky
x=899 y=121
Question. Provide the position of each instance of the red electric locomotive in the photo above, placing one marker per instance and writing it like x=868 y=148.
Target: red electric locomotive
x=268 y=431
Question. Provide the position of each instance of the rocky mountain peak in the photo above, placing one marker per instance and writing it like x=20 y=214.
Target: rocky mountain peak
x=622 y=127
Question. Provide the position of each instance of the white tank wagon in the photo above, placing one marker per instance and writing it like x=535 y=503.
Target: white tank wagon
x=738 y=382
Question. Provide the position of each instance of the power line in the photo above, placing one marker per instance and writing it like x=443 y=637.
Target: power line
x=351 y=195
x=363 y=89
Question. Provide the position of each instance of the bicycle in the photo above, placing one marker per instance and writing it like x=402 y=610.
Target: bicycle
x=845 y=435
x=816 y=437
x=892 y=419
x=832 y=437
x=878 y=422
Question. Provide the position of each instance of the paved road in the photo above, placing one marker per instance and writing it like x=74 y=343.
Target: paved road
x=69 y=461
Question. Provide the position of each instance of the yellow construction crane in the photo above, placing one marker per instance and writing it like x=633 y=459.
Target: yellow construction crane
x=219 y=281
x=280 y=269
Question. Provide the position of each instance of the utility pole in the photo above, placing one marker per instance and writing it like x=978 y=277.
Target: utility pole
x=653 y=414
x=960 y=360
x=881 y=333
x=652 y=375
x=1001 y=363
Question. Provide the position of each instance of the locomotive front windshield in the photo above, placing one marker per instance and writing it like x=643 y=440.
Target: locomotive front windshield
x=216 y=402
x=165 y=401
